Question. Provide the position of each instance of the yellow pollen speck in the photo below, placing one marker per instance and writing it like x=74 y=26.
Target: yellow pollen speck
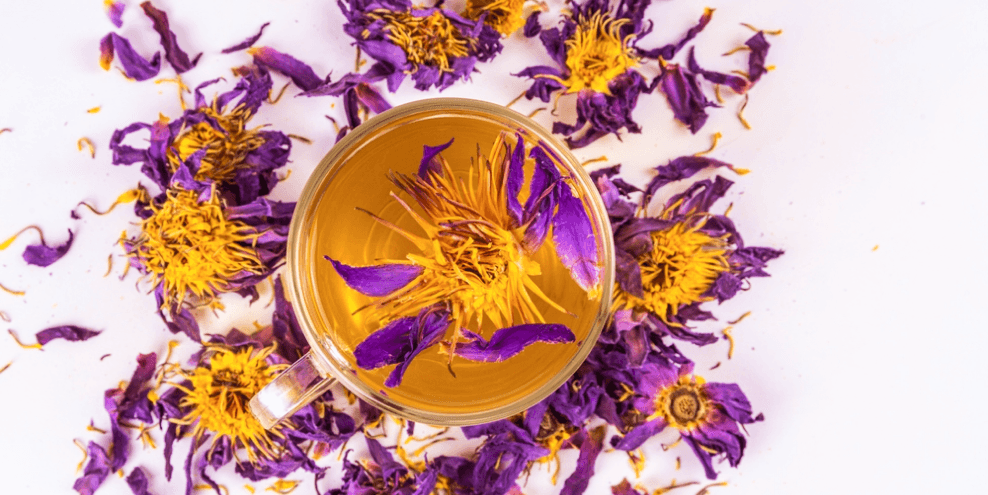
x=190 y=247
x=682 y=265
x=506 y=16
x=93 y=110
x=875 y=248
x=596 y=54
x=219 y=390
x=431 y=40
x=283 y=486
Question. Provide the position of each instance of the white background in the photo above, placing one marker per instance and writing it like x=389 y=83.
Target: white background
x=866 y=362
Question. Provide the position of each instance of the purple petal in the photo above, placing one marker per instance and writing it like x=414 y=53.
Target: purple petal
x=756 y=57
x=137 y=480
x=678 y=169
x=577 y=483
x=97 y=470
x=377 y=280
x=507 y=342
x=384 y=460
x=639 y=434
x=300 y=73
x=737 y=83
x=532 y=26
x=576 y=244
x=68 y=332
x=114 y=10
x=371 y=98
x=628 y=273
x=44 y=255
x=134 y=66
x=247 y=43
x=669 y=51
x=400 y=341
x=542 y=197
x=730 y=398
x=430 y=162
x=178 y=59
x=683 y=93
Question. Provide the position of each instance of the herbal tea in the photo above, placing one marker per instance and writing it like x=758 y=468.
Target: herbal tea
x=428 y=258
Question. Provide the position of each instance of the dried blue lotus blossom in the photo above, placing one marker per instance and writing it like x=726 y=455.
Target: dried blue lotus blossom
x=709 y=416
x=668 y=265
x=436 y=46
x=241 y=160
x=475 y=262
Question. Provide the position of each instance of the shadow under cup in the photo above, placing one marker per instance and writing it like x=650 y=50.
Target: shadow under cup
x=332 y=219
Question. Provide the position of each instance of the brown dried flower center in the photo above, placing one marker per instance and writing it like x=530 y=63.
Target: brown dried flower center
x=684 y=405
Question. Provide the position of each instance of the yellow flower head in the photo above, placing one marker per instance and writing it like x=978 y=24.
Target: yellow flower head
x=506 y=16
x=596 y=53
x=227 y=142
x=190 y=247
x=219 y=391
x=682 y=265
x=684 y=404
x=430 y=40
x=472 y=257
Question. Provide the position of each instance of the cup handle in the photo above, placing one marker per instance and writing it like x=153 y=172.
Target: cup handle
x=290 y=391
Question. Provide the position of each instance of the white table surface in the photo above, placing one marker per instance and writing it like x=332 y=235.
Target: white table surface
x=868 y=364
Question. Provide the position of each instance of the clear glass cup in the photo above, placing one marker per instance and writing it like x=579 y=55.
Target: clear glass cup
x=326 y=219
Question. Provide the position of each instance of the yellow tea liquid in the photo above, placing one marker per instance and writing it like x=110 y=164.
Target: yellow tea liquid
x=353 y=237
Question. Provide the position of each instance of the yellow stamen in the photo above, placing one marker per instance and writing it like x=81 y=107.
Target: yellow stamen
x=601 y=158
x=637 y=460
x=300 y=138
x=85 y=454
x=6 y=129
x=506 y=16
x=90 y=427
x=283 y=486
x=431 y=40
x=742 y=48
x=730 y=339
x=753 y=28
x=6 y=244
x=182 y=88
x=741 y=113
x=720 y=99
x=596 y=54
x=21 y=344
x=713 y=144
x=536 y=111
x=217 y=396
x=249 y=488
x=4 y=316
x=428 y=437
x=682 y=265
x=12 y=291
x=93 y=110
x=109 y=266
x=671 y=445
x=127 y=197
x=679 y=463
x=226 y=147
x=673 y=485
x=707 y=488
x=191 y=248
x=223 y=489
x=281 y=93
x=6 y=366
x=512 y=102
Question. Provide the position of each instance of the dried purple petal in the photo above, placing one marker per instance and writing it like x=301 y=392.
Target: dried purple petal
x=114 y=10
x=683 y=93
x=247 y=43
x=593 y=443
x=756 y=57
x=42 y=254
x=376 y=280
x=96 y=471
x=532 y=27
x=575 y=242
x=137 y=480
x=669 y=51
x=300 y=73
x=430 y=161
x=678 y=169
x=508 y=342
x=541 y=200
x=737 y=83
x=500 y=461
x=178 y=59
x=134 y=66
x=71 y=333
x=400 y=341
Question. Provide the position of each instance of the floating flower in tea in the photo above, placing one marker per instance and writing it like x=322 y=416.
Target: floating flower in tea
x=475 y=262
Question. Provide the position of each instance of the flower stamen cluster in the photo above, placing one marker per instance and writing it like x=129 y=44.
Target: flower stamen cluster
x=190 y=247
x=684 y=404
x=506 y=16
x=596 y=53
x=430 y=40
x=225 y=138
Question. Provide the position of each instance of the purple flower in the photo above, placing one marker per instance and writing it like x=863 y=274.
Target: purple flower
x=215 y=141
x=43 y=255
x=595 y=55
x=668 y=265
x=476 y=260
x=435 y=46
x=709 y=416
x=178 y=59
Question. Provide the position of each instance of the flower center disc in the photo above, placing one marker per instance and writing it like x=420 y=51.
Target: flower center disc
x=596 y=54
x=684 y=406
x=431 y=40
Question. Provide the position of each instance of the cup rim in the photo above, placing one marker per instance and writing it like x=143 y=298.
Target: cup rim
x=294 y=280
